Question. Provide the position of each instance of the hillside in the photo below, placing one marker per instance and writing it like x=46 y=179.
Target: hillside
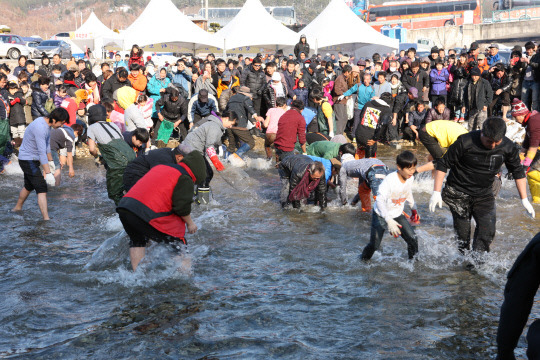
x=47 y=17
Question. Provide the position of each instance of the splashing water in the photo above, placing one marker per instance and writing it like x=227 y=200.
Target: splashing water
x=258 y=281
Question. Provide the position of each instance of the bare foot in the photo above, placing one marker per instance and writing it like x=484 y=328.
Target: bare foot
x=15 y=209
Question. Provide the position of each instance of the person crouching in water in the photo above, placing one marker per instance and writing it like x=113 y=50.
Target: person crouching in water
x=299 y=177
x=158 y=206
x=395 y=189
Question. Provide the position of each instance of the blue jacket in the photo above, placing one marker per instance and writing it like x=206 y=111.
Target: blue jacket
x=438 y=81
x=203 y=109
x=380 y=89
x=120 y=63
x=182 y=79
x=365 y=94
x=301 y=94
x=492 y=60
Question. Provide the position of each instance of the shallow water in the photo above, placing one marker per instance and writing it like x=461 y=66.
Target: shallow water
x=264 y=283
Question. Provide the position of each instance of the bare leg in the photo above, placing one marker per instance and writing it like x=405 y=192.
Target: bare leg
x=58 y=176
x=42 y=202
x=136 y=254
x=23 y=195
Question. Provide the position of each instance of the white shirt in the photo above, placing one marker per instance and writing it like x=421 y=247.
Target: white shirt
x=392 y=196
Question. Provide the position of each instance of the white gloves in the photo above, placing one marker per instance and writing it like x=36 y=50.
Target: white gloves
x=393 y=226
x=341 y=97
x=52 y=166
x=527 y=205
x=435 y=200
x=331 y=134
x=49 y=178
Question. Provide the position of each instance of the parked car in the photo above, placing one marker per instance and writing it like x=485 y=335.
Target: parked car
x=60 y=36
x=52 y=47
x=13 y=46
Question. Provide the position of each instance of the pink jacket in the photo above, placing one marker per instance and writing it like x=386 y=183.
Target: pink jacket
x=328 y=92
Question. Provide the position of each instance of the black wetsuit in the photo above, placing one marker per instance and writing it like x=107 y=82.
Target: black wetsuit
x=469 y=187
x=522 y=285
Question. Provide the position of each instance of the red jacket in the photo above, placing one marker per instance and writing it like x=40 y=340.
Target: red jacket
x=135 y=60
x=290 y=126
x=161 y=197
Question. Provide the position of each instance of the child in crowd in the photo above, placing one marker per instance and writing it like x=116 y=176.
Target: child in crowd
x=415 y=120
x=395 y=189
x=438 y=78
x=271 y=124
x=114 y=116
x=457 y=92
x=17 y=120
x=301 y=92
x=60 y=95
x=438 y=112
x=328 y=86
x=27 y=94
x=145 y=104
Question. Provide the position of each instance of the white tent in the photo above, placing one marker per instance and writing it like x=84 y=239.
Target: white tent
x=92 y=34
x=253 y=26
x=162 y=27
x=338 y=26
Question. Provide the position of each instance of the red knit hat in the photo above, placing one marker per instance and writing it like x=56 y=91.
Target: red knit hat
x=519 y=108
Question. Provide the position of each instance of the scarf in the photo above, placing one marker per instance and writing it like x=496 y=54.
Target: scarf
x=304 y=187
x=71 y=82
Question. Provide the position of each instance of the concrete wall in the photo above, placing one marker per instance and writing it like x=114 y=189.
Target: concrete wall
x=457 y=36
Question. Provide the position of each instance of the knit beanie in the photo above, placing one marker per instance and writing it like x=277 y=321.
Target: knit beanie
x=195 y=161
x=519 y=108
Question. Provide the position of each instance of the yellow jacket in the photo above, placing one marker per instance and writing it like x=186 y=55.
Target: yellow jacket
x=445 y=131
x=221 y=87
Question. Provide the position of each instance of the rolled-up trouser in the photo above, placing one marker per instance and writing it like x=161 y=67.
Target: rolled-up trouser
x=341 y=118
x=237 y=134
x=379 y=226
x=268 y=142
x=476 y=119
x=431 y=144
x=464 y=207
x=363 y=134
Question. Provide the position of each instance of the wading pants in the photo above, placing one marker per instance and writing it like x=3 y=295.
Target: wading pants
x=378 y=227
x=464 y=207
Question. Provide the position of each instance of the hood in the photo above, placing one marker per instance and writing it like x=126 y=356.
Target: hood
x=195 y=161
x=346 y=157
x=459 y=72
x=382 y=102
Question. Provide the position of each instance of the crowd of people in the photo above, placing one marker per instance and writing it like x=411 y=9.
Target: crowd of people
x=321 y=118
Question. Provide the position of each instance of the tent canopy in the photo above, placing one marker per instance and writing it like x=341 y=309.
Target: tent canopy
x=337 y=25
x=162 y=23
x=92 y=28
x=254 y=26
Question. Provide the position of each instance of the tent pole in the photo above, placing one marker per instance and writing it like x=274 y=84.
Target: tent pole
x=224 y=49
x=316 y=46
